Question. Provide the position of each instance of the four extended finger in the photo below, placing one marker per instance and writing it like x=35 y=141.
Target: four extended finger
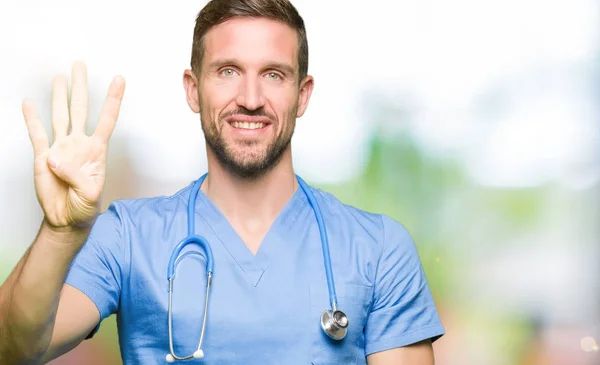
x=79 y=98
x=37 y=133
x=110 y=110
x=60 y=107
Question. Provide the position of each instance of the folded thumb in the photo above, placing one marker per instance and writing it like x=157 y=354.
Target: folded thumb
x=53 y=162
x=67 y=172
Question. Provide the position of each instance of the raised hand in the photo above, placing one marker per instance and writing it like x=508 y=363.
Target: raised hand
x=69 y=175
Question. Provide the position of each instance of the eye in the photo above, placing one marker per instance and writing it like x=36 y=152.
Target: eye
x=228 y=72
x=273 y=76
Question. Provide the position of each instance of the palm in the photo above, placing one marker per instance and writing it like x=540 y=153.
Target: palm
x=70 y=192
x=65 y=204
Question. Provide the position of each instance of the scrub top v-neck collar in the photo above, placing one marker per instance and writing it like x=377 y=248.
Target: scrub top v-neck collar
x=254 y=266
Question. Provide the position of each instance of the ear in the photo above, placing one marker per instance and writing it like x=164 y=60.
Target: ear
x=306 y=88
x=190 y=84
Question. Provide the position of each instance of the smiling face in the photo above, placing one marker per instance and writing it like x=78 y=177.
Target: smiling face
x=248 y=93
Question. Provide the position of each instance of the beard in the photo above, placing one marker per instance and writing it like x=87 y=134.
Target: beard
x=256 y=162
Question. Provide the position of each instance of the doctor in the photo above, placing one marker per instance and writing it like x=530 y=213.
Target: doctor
x=269 y=270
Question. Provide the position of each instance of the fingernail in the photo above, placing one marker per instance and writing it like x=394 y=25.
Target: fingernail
x=53 y=162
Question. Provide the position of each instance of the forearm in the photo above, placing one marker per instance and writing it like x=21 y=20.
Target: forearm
x=29 y=297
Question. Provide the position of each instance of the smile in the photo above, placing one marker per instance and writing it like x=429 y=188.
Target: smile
x=248 y=125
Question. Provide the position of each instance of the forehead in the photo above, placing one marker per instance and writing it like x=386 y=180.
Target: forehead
x=252 y=40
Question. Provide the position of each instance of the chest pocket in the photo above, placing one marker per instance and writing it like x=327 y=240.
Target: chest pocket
x=355 y=301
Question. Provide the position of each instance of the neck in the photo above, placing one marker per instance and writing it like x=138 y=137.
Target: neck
x=250 y=202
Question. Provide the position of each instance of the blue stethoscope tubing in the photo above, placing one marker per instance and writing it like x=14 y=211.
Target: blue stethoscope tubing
x=333 y=322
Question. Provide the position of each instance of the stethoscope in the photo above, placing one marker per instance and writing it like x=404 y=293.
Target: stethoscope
x=334 y=322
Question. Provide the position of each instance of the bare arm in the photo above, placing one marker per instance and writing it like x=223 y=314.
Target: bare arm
x=76 y=318
x=420 y=353
x=40 y=316
x=29 y=300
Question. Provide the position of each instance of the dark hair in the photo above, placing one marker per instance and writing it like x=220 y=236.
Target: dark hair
x=219 y=11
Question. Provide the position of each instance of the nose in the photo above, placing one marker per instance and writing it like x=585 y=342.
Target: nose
x=250 y=94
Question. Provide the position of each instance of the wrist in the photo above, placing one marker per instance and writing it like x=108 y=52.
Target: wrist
x=65 y=235
x=84 y=226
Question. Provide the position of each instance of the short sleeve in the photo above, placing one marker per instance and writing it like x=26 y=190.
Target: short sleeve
x=97 y=269
x=403 y=310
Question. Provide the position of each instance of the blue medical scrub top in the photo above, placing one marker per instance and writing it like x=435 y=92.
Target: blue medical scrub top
x=263 y=309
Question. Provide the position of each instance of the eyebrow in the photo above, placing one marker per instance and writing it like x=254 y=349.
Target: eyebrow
x=286 y=68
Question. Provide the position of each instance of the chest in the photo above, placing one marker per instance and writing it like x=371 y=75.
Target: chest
x=252 y=234
x=261 y=311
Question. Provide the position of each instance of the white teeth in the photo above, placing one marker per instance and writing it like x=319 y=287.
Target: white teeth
x=246 y=125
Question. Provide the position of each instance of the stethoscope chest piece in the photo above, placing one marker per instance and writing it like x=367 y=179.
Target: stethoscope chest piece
x=334 y=324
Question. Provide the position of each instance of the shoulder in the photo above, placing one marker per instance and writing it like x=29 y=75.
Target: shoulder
x=382 y=227
x=124 y=213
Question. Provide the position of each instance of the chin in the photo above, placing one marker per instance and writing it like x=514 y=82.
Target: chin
x=247 y=155
x=248 y=163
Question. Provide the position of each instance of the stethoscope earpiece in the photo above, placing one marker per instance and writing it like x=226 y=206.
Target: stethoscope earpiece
x=334 y=324
x=197 y=355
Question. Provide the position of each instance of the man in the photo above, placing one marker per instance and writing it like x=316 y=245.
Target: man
x=249 y=83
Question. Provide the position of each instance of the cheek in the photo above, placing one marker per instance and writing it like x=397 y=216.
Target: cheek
x=215 y=99
x=284 y=104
